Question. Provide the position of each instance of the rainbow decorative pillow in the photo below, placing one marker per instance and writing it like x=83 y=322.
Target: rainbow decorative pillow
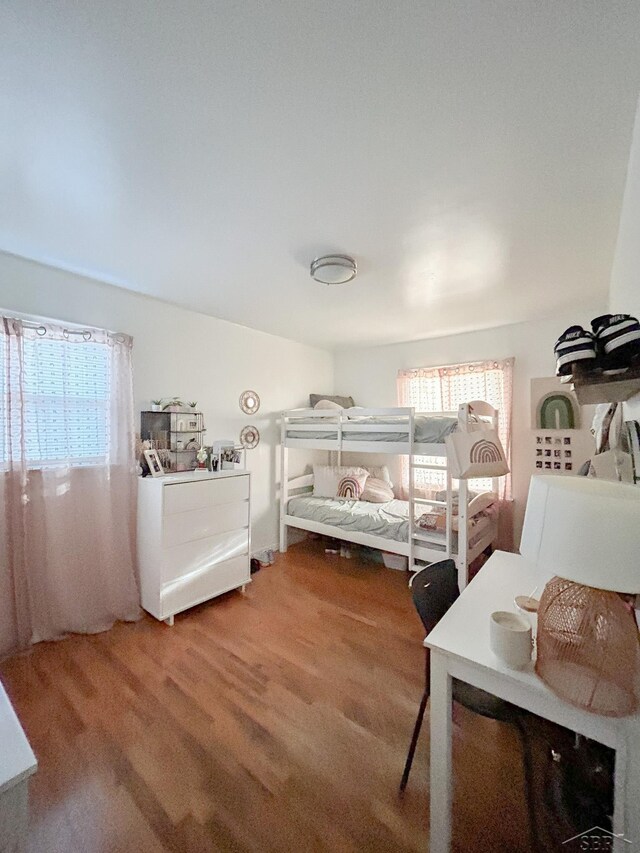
x=350 y=487
x=326 y=478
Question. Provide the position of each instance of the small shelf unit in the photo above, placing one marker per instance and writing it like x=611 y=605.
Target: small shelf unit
x=177 y=436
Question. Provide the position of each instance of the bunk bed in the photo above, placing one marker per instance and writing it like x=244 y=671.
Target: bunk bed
x=395 y=526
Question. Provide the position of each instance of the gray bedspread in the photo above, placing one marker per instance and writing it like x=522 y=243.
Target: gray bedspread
x=428 y=430
x=390 y=520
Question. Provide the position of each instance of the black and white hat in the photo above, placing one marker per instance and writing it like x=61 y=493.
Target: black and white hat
x=617 y=338
x=574 y=344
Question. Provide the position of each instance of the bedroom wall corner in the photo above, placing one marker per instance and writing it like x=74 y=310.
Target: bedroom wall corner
x=369 y=375
x=194 y=355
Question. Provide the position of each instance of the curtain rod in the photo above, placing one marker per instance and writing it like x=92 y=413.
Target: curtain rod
x=86 y=334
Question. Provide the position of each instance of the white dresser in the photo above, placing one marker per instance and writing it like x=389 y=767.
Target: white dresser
x=17 y=763
x=194 y=538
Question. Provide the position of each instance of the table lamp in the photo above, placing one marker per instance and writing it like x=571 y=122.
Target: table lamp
x=587 y=533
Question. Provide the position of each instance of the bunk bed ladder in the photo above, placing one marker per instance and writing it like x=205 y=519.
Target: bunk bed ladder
x=412 y=491
x=449 y=515
x=284 y=481
x=462 y=557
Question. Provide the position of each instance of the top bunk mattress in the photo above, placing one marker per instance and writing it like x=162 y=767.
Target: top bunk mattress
x=427 y=430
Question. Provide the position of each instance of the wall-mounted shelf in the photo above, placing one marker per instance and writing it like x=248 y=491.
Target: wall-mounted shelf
x=592 y=388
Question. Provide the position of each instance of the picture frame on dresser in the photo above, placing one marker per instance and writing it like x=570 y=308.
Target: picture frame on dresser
x=154 y=463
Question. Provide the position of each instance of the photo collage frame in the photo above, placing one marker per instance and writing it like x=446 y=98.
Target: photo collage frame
x=554 y=454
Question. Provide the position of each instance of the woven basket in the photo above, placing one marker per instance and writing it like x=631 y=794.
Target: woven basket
x=588 y=648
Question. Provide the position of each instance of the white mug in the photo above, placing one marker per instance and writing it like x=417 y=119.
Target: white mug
x=510 y=638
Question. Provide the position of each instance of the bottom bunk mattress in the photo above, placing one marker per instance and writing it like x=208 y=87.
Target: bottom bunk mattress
x=388 y=520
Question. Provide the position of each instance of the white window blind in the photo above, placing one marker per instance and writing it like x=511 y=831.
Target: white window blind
x=66 y=401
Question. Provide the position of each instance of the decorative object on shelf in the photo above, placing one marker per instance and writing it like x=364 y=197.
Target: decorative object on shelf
x=553 y=405
x=173 y=405
x=202 y=456
x=153 y=461
x=249 y=402
x=588 y=532
x=193 y=405
x=249 y=437
x=156 y=405
x=604 y=363
x=333 y=269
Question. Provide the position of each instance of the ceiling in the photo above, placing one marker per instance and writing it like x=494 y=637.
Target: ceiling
x=470 y=155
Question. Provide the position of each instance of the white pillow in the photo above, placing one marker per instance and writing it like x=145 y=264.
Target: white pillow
x=326 y=478
x=380 y=472
x=328 y=404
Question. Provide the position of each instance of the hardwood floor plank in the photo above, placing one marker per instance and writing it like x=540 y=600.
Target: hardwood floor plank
x=272 y=721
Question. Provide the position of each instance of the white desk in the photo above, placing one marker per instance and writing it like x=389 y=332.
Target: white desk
x=460 y=649
x=17 y=763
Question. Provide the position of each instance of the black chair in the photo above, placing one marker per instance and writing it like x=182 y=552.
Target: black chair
x=434 y=590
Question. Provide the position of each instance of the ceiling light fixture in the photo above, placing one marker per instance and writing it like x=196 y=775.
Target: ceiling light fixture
x=333 y=269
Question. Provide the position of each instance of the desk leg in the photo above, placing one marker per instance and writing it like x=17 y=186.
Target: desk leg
x=626 y=813
x=441 y=783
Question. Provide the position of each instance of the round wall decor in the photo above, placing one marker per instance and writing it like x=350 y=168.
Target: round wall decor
x=249 y=437
x=249 y=402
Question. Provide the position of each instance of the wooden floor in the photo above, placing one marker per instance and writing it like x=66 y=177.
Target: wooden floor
x=277 y=720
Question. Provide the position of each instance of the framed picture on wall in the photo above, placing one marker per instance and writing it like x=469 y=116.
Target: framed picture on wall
x=553 y=405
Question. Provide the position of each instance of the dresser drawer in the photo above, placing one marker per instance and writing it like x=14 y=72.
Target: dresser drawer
x=191 y=556
x=202 y=523
x=203 y=584
x=185 y=497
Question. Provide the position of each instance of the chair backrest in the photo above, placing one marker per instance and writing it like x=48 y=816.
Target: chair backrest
x=434 y=590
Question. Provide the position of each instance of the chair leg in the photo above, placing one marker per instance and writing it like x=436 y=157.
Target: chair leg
x=414 y=741
x=528 y=784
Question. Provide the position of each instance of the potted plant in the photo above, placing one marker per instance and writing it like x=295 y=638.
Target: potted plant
x=174 y=405
x=156 y=405
x=193 y=405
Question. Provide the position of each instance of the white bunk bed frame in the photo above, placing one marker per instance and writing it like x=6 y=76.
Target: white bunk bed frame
x=420 y=544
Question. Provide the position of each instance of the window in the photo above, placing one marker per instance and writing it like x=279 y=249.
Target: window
x=443 y=389
x=65 y=397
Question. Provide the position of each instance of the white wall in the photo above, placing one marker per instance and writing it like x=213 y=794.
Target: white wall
x=625 y=275
x=194 y=356
x=624 y=294
x=369 y=375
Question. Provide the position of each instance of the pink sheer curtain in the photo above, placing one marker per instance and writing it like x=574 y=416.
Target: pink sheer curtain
x=442 y=389
x=67 y=483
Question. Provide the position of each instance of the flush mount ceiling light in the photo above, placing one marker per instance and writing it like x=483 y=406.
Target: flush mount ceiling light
x=333 y=269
